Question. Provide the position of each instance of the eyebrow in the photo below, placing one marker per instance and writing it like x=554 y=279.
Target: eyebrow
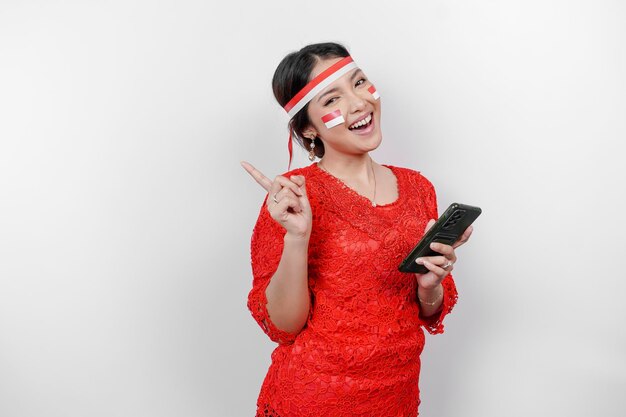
x=333 y=90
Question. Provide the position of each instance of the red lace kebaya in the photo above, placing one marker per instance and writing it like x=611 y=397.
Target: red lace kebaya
x=359 y=352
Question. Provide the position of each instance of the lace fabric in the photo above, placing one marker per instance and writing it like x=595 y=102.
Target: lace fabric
x=359 y=352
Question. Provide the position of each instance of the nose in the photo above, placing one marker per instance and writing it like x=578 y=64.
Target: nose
x=357 y=103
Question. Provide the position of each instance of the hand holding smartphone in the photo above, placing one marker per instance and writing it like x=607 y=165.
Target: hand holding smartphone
x=447 y=230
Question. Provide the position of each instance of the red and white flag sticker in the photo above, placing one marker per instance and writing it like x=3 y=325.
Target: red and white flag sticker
x=333 y=119
x=372 y=90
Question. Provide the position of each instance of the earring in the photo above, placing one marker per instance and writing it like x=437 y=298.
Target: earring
x=312 y=151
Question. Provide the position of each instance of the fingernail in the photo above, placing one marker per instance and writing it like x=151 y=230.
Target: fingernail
x=433 y=245
x=420 y=261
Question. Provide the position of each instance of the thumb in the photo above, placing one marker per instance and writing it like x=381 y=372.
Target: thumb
x=300 y=180
x=303 y=186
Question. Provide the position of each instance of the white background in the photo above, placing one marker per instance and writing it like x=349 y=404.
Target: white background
x=125 y=217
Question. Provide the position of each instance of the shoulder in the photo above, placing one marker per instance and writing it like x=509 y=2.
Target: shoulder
x=414 y=177
x=314 y=177
x=420 y=189
x=305 y=171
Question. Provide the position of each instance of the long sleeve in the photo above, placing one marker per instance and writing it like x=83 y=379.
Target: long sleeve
x=266 y=249
x=434 y=323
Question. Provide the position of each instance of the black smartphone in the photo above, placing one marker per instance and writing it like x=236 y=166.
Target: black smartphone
x=447 y=229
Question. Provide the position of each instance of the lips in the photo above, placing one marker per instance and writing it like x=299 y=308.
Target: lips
x=359 y=120
x=367 y=129
x=363 y=121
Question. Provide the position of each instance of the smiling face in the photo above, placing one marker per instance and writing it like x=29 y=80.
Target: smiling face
x=351 y=96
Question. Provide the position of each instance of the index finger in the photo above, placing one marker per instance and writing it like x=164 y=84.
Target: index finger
x=257 y=175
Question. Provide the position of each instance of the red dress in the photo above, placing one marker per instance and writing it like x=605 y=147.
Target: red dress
x=359 y=352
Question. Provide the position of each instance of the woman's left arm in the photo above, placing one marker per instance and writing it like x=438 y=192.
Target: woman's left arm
x=430 y=290
x=436 y=291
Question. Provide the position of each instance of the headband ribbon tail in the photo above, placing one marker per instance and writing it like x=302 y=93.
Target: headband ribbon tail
x=290 y=147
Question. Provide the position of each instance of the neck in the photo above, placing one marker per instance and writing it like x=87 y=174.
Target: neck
x=350 y=167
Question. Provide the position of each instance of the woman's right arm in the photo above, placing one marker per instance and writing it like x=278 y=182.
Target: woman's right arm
x=287 y=294
x=280 y=299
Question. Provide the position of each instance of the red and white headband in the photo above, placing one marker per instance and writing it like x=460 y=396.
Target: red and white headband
x=317 y=84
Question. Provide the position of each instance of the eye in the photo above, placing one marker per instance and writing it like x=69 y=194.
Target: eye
x=361 y=81
x=331 y=100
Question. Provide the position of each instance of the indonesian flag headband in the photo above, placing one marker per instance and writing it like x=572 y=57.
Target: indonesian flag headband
x=314 y=87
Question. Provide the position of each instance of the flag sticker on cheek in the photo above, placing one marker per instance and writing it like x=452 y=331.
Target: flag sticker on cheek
x=372 y=90
x=333 y=119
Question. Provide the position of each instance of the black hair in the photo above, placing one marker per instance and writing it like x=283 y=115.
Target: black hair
x=292 y=74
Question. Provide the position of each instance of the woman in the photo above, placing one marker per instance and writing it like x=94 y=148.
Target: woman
x=326 y=249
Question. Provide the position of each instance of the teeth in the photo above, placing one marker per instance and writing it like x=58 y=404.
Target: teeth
x=362 y=122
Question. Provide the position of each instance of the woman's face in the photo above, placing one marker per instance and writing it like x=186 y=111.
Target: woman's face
x=350 y=95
